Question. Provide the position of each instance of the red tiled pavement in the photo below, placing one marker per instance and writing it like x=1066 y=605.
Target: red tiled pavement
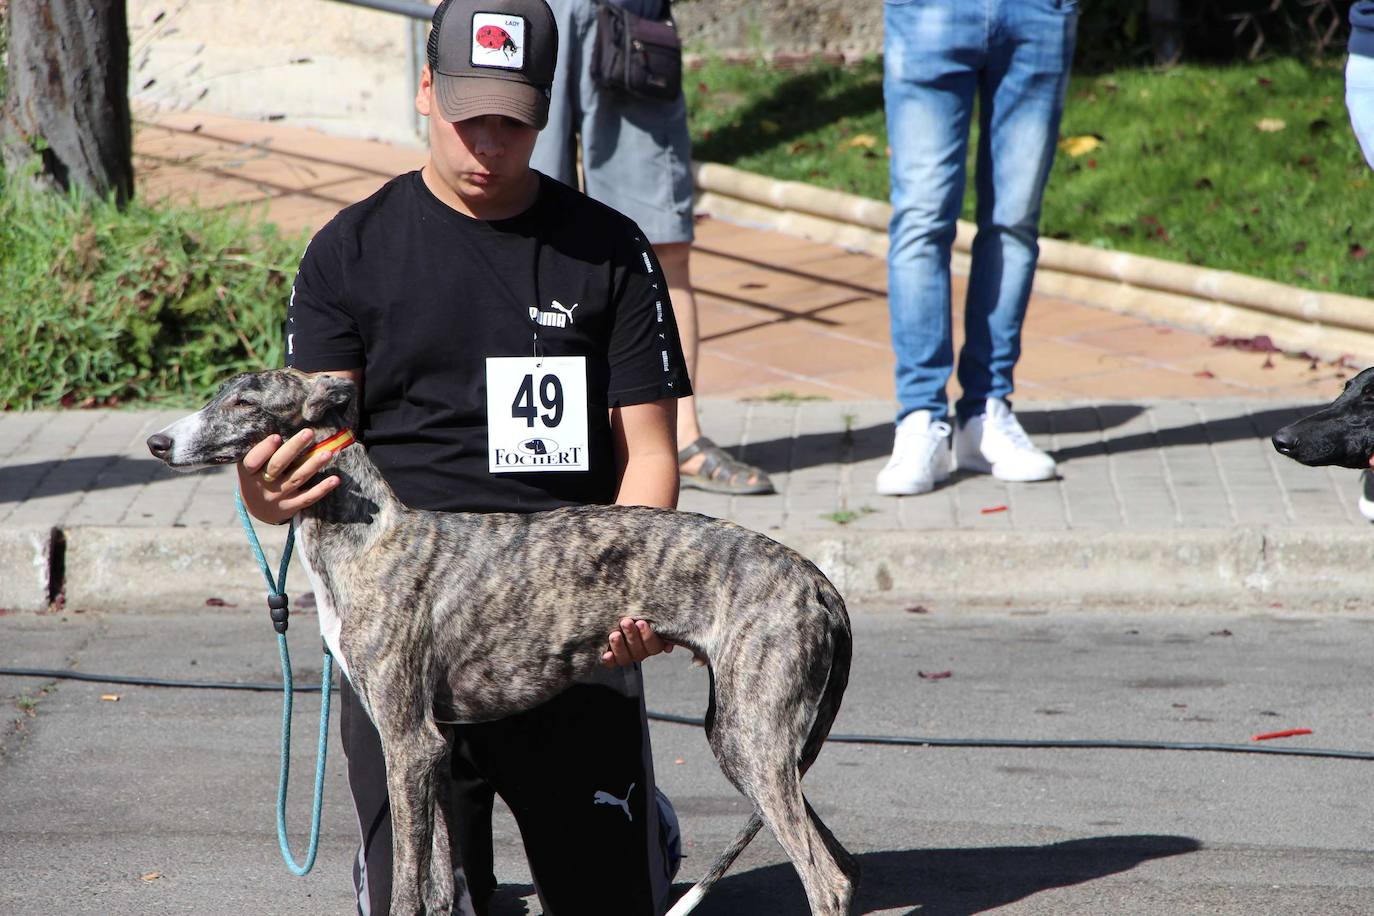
x=779 y=316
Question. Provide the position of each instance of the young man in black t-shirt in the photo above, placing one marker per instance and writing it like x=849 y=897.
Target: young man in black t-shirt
x=515 y=351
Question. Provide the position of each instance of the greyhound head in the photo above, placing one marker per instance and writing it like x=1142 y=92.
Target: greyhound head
x=1341 y=433
x=250 y=407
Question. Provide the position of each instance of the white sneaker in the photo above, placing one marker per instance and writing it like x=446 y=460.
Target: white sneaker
x=920 y=456
x=1367 y=495
x=996 y=443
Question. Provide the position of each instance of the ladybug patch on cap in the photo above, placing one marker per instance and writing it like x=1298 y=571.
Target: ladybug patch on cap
x=498 y=40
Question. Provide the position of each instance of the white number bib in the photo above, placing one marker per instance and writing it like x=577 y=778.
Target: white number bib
x=536 y=414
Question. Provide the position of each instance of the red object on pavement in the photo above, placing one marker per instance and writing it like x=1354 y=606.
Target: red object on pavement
x=991 y=509
x=1284 y=734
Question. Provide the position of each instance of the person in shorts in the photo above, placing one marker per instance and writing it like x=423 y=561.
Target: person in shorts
x=636 y=157
x=476 y=281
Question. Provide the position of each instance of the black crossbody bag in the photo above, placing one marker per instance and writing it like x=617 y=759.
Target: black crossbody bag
x=640 y=57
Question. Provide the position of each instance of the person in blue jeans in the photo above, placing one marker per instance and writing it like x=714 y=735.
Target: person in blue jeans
x=1013 y=57
x=1359 y=101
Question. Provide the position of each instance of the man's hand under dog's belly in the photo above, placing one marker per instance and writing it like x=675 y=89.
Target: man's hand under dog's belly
x=633 y=642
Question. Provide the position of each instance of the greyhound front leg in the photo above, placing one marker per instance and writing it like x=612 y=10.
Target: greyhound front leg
x=455 y=883
x=419 y=884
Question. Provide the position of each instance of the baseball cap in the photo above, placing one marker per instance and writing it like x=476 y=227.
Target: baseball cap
x=493 y=57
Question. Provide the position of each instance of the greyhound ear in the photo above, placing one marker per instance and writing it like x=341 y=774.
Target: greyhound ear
x=329 y=393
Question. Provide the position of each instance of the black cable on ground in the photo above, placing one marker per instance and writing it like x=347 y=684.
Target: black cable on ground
x=880 y=740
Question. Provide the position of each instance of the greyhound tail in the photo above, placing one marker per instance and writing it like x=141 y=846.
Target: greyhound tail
x=826 y=711
x=689 y=900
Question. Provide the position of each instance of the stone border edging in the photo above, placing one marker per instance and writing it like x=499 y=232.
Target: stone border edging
x=162 y=570
x=1331 y=321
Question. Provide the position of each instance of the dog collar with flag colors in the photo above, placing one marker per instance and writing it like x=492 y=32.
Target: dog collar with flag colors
x=335 y=443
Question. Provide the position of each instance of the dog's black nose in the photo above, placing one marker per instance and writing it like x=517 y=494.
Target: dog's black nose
x=160 y=445
x=1284 y=441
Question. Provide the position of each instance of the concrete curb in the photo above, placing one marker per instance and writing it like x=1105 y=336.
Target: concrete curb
x=25 y=558
x=169 y=569
x=1166 y=566
x=173 y=569
x=1216 y=300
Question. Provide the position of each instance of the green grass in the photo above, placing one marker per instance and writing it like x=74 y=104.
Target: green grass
x=1182 y=172
x=786 y=397
x=99 y=306
x=845 y=516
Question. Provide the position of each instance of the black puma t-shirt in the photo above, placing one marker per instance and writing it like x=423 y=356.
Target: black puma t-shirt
x=417 y=296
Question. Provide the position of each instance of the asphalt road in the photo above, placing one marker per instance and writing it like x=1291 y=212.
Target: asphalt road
x=162 y=801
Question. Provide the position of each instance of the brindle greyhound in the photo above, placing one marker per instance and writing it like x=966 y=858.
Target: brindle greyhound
x=430 y=608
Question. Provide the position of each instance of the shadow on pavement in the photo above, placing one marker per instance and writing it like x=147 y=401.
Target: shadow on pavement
x=19 y=482
x=855 y=445
x=507 y=901
x=950 y=882
x=1259 y=426
x=814 y=449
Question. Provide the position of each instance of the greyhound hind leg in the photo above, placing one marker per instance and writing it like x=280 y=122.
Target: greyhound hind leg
x=809 y=844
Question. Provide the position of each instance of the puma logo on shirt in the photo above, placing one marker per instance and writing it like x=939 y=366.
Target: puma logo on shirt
x=557 y=319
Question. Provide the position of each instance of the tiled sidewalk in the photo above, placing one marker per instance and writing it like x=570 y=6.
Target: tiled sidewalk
x=1140 y=465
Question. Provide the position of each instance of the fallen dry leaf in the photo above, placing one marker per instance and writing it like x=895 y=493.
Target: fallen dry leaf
x=1080 y=145
x=1271 y=125
x=1260 y=343
x=866 y=141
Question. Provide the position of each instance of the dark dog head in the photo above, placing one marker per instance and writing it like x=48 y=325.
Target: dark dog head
x=1341 y=434
x=250 y=407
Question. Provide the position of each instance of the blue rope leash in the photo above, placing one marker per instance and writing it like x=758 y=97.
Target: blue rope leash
x=277 y=602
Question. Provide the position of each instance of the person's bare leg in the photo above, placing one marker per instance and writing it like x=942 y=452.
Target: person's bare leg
x=675 y=259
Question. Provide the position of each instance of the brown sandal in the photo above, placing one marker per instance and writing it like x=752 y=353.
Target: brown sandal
x=721 y=472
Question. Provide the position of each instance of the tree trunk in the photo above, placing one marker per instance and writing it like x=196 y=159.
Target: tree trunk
x=68 y=99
